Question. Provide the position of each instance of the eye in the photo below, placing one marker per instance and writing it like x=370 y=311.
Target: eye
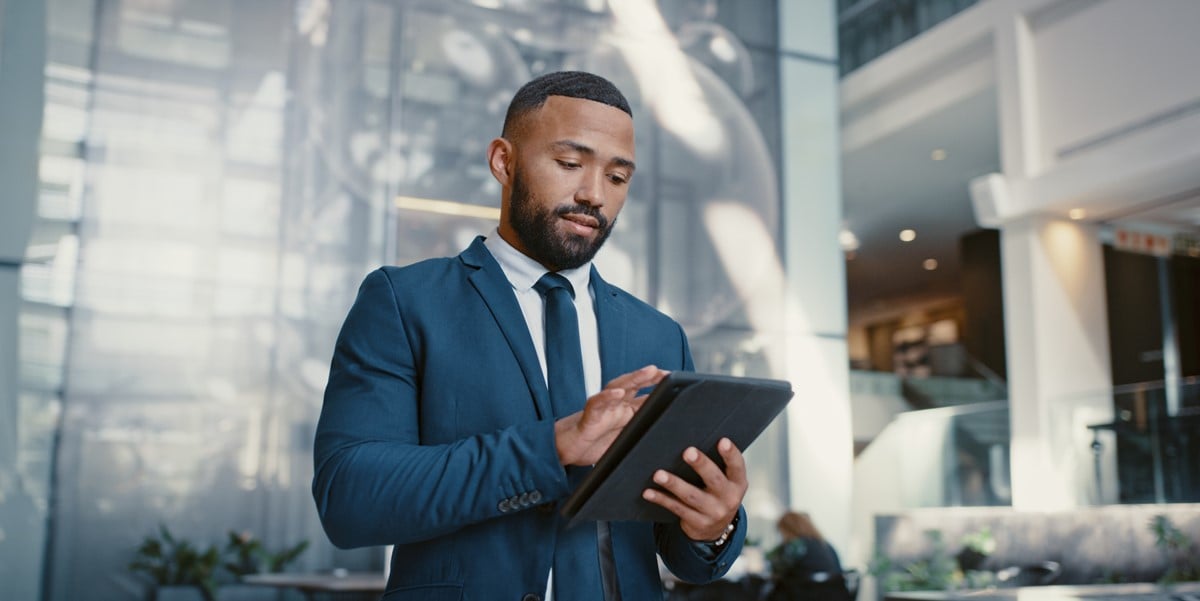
x=567 y=164
x=618 y=179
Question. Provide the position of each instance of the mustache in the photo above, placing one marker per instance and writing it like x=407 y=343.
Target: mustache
x=592 y=212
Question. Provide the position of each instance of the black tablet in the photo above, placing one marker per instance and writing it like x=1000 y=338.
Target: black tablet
x=684 y=409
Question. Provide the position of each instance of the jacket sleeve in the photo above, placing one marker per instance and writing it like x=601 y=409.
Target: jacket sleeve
x=687 y=560
x=373 y=482
x=690 y=561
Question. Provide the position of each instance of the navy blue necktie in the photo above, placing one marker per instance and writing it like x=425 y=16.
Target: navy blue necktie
x=564 y=359
x=578 y=551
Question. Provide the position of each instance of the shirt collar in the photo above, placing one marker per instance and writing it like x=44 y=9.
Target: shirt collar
x=523 y=272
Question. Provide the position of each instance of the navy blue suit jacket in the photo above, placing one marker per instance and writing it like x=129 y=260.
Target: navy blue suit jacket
x=436 y=436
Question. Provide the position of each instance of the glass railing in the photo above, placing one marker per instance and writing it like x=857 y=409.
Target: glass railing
x=869 y=28
x=1138 y=443
x=950 y=456
x=1130 y=444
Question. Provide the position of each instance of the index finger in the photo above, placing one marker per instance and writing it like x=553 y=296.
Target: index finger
x=635 y=380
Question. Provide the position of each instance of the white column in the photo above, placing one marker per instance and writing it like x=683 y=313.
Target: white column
x=1021 y=154
x=820 y=445
x=22 y=61
x=1056 y=324
x=1058 y=357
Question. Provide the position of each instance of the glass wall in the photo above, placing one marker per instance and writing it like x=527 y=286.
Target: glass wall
x=23 y=474
x=195 y=268
x=429 y=91
x=217 y=177
x=945 y=457
x=1127 y=445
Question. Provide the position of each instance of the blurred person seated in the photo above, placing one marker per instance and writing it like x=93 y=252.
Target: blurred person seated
x=804 y=566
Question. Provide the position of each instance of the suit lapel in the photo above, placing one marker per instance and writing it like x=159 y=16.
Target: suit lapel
x=611 y=328
x=495 y=289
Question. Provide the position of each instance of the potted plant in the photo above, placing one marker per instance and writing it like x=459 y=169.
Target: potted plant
x=977 y=547
x=247 y=555
x=183 y=571
x=1183 y=561
x=175 y=563
x=934 y=572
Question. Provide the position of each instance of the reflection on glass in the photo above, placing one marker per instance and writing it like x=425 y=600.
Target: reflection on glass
x=945 y=457
x=218 y=176
x=701 y=154
x=1128 y=445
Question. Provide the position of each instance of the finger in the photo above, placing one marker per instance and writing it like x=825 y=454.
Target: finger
x=696 y=525
x=735 y=463
x=686 y=514
x=637 y=401
x=698 y=499
x=603 y=399
x=635 y=386
x=715 y=480
x=598 y=406
x=640 y=378
x=605 y=403
x=625 y=380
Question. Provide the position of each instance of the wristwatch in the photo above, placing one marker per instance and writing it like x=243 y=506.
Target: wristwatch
x=725 y=534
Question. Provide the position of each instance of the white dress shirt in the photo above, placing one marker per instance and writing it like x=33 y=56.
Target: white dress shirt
x=523 y=272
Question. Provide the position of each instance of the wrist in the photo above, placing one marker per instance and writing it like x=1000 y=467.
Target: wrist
x=725 y=536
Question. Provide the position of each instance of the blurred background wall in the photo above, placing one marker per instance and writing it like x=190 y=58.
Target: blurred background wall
x=213 y=179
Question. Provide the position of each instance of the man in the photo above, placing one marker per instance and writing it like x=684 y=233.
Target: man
x=454 y=420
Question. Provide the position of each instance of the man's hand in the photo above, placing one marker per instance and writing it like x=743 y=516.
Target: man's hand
x=581 y=438
x=704 y=512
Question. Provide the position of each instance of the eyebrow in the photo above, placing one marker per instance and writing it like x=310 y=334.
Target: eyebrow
x=588 y=150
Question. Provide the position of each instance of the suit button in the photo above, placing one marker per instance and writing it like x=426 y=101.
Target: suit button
x=523 y=500
x=535 y=496
x=531 y=597
x=504 y=507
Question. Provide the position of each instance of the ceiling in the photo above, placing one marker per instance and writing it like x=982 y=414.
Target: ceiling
x=1179 y=212
x=894 y=183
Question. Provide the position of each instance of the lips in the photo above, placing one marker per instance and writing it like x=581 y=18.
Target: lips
x=581 y=220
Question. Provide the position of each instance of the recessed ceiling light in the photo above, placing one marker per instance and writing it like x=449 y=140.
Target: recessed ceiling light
x=938 y=154
x=847 y=240
x=929 y=264
x=908 y=235
x=1077 y=214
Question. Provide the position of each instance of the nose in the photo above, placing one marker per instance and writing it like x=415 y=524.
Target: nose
x=591 y=188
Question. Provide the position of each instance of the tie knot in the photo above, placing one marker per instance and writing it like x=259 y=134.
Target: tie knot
x=551 y=281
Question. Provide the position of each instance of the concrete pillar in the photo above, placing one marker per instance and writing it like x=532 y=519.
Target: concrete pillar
x=1054 y=297
x=1021 y=153
x=820 y=445
x=1058 y=357
x=22 y=61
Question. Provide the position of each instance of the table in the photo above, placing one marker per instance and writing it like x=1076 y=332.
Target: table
x=323 y=582
x=1144 y=591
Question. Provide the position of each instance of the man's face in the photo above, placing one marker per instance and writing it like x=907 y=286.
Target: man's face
x=568 y=182
x=537 y=225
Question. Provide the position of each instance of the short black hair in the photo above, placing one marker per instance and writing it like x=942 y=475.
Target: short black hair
x=573 y=84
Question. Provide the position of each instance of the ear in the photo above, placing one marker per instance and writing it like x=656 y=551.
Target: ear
x=500 y=154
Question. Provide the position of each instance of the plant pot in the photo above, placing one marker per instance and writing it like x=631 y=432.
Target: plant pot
x=970 y=559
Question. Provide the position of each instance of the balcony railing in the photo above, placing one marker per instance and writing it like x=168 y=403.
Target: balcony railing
x=1130 y=444
x=869 y=28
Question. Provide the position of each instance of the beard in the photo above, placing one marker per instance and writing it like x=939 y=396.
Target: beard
x=538 y=230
